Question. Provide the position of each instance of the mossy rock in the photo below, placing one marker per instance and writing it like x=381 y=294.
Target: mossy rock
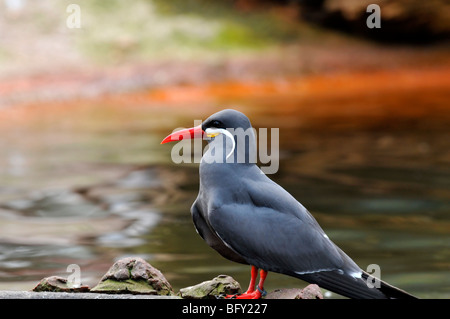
x=220 y=285
x=133 y=275
x=58 y=284
x=125 y=287
x=309 y=292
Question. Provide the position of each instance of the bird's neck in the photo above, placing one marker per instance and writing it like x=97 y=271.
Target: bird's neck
x=215 y=175
x=231 y=149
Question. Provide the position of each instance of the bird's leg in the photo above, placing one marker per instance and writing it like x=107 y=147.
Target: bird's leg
x=251 y=292
x=254 y=274
x=251 y=286
x=260 y=287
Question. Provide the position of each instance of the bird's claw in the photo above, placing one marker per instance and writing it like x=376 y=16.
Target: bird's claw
x=223 y=296
x=256 y=294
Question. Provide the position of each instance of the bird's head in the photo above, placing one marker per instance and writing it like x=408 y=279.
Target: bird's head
x=227 y=121
x=230 y=124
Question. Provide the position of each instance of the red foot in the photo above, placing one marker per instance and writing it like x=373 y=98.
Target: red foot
x=249 y=295
x=256 y=294
x=251 y=292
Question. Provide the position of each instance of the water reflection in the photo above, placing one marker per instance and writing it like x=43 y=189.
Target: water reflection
x=98 y=186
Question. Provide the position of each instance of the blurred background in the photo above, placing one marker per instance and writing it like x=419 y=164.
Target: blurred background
x=364 y=118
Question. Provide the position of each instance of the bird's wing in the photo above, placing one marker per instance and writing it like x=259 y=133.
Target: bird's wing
x=211 y=238
x=285 y=244
x=273 y=231
x=277 y=241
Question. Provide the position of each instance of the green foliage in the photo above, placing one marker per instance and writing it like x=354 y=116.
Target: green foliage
x=114 y=31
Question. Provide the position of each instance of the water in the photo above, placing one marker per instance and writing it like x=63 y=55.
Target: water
x=88 y=183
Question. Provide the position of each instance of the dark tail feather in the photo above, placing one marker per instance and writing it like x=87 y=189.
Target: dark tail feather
x=352 y=287
x=388 y=290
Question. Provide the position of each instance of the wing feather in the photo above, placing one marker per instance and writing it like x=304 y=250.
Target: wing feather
x=276 y=241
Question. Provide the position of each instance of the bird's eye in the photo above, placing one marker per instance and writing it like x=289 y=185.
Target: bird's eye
x=216 y=123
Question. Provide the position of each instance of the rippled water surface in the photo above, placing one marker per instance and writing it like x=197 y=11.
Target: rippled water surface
x=89 y=183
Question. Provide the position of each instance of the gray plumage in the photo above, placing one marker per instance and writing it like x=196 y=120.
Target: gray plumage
x=248 y=218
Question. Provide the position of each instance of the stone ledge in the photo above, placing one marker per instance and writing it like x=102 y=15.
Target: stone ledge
x=4 y=294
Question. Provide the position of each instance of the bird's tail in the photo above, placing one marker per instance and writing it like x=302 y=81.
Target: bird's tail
x=357 y=288
x=391 y=292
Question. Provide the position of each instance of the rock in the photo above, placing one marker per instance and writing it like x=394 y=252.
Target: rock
x=58 y=284
x=220 y=285
x=80 y=295
x=133 y=275
x=309 y=292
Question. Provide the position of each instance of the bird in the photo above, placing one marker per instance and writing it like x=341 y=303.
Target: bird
x=249 y=219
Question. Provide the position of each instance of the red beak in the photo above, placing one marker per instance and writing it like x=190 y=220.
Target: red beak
x=194 y=132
